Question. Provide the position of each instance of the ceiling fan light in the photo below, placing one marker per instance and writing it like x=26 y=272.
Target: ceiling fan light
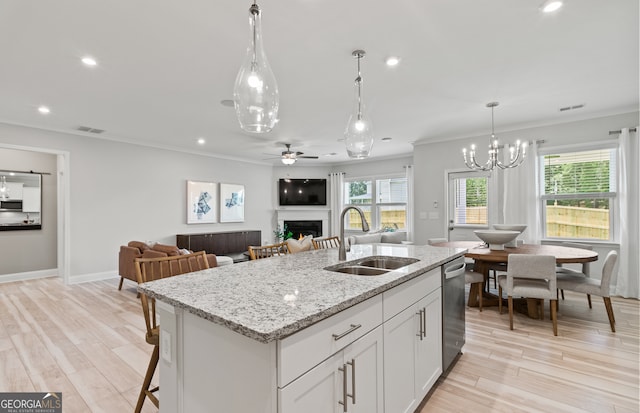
x=288 y=161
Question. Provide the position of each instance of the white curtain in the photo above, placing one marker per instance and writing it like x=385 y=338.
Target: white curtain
x=337 y=201
x=628 y=280
x=410 y=198
x=521 y=204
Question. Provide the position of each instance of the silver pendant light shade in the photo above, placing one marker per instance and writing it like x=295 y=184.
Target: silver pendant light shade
x=358 y=135
x=255 y=92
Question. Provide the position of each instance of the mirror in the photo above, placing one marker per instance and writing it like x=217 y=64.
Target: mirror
x=20 y=200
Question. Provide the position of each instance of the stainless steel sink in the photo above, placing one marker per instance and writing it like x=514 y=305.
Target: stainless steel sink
x=376 y=265
x=357 y=270
x=388 y=263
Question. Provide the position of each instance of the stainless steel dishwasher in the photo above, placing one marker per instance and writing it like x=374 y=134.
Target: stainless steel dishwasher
x=453 y=307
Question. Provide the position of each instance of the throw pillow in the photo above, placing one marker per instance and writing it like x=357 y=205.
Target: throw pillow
x=304 y=244
x=394 y=237
x=366 y=239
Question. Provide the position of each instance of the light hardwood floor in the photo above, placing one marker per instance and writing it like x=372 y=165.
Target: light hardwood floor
x=87 y=340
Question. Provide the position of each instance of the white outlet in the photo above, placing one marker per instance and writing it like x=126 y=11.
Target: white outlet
x=165 y=345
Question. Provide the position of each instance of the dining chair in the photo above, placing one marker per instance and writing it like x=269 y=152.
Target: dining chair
x=470 y=277
x=323 y=243
x=151 y=269
x=590 y=286
x=530 y=276
x=584 y=272
x=266 y=251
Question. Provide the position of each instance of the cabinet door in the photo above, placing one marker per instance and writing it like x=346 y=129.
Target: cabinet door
x=400 y=341
x=429 y=349
x=316 y=391
x=364 y=363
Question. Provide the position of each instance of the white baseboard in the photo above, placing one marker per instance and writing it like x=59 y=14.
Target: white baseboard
x=30 y=275
x=77 y=279
x=98 y=276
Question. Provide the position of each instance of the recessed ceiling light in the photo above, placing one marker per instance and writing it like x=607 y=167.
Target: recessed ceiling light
x=386 y=139
x=550 y=6
x=201 y=141
x=89 y=61
x=227 y=102
x=44 y=110
x=392 y=61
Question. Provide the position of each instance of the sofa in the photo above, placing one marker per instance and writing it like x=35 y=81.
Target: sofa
x=138 y=249
x=378 y=237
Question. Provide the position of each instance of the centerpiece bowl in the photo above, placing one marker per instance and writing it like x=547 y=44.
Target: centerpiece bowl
x=496 y=238
x=511 y=227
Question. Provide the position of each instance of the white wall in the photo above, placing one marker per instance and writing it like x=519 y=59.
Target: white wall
x=31 y=250
x=121 y=192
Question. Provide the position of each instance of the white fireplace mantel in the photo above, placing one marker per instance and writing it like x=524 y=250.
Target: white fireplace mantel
x=305 y=214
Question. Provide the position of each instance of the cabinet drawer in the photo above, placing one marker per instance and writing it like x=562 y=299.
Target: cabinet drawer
x=404 y=295
x=307 y=348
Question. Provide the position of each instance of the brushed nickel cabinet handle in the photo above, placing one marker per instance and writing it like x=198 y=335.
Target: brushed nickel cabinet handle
x=352 y=363
x=421 y=333
x=343 y=402
x=352 y=328
x=424 y=322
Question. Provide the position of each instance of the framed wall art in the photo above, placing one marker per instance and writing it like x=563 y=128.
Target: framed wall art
x=202 y=202
x=231 y=203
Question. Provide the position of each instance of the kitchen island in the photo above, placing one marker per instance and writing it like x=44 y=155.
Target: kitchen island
x=285 y=335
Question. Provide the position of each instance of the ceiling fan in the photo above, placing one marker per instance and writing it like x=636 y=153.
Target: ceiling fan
x=289 y=157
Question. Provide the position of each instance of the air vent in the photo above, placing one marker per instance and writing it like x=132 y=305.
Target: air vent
x=564 y=109
x=90 y=130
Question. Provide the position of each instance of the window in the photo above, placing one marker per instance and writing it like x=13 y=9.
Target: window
x=578 y=195
x=469 y=192
x=386 y=210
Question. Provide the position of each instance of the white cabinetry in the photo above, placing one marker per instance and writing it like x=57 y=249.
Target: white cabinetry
x=31 y=199
x=349 y=381
x=412 y=346
x=15 y=190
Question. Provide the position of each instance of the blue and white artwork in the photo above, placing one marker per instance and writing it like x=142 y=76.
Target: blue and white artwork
x=231 y=203
x=201 y=202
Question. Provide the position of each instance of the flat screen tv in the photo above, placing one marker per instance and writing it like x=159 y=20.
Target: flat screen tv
x=302 y=191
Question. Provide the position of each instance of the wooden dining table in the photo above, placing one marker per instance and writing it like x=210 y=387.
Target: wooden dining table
x=484 y=258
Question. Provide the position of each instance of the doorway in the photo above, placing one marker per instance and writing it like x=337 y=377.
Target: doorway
x=471 y=203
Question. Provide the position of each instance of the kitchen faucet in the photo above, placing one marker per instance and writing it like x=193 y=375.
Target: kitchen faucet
x=342 y=252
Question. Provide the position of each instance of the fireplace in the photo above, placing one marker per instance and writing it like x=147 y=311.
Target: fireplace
x=305 y=227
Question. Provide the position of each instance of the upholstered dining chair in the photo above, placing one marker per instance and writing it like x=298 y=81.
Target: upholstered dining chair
x=584 y=272
x=530 y=276
x=590 y=286
x=323 y=243
x=266 y=251
x=151 y=269
x=470 y=277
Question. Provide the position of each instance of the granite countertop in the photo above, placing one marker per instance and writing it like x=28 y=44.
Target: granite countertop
x=272 y=298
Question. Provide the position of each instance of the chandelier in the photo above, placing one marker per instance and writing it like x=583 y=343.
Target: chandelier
x=255 y=92
x=358 y=136
x=517 y=152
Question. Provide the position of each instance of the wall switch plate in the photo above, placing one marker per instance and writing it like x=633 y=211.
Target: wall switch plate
x=165 y=345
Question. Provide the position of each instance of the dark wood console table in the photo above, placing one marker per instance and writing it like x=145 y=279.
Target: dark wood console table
x=233 y=244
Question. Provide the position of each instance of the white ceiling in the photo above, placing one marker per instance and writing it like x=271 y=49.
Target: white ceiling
x=165 y=66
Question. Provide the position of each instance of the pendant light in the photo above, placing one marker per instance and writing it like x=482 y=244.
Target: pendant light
x=358 y=136
x=255 y=92
x=517 y=152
